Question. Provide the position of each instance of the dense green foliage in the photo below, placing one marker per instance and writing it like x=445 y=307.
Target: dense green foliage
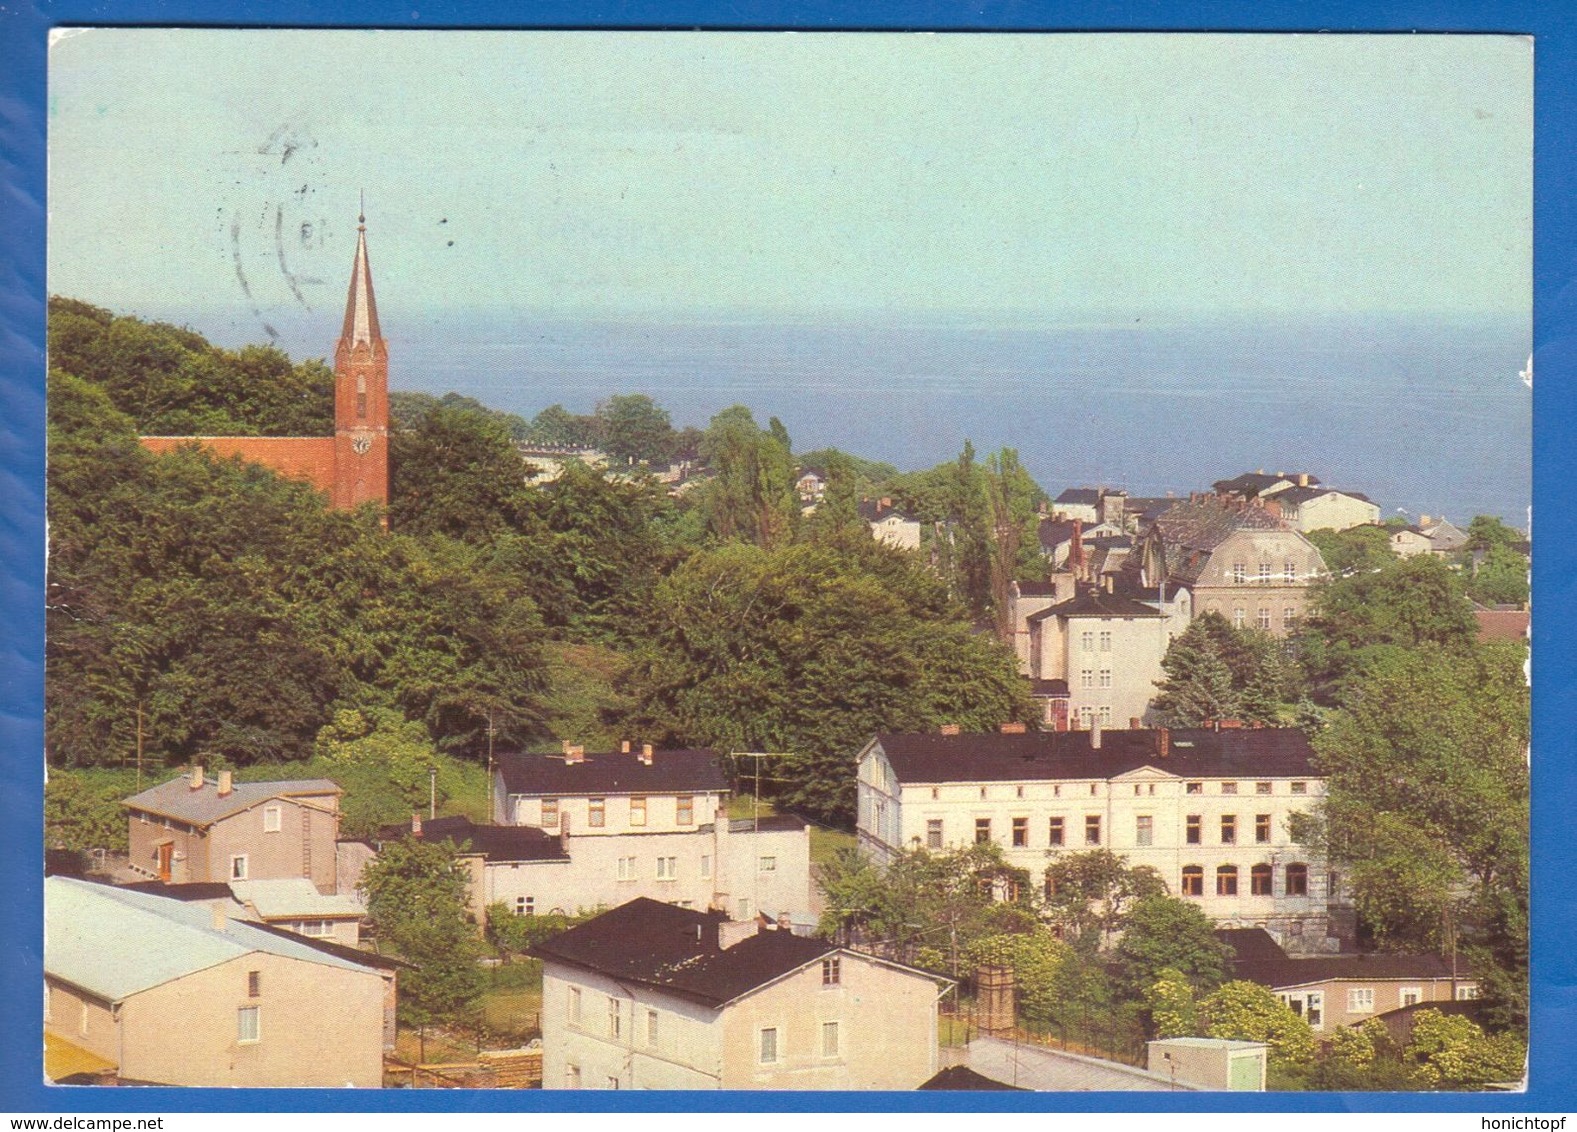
x=1166 y=935
x=1089 y=895
x=1357 y=550
x=1216 y=671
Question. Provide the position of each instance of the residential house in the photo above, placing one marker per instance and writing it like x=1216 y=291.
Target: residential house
x=1235 y=559
x=295 y=904
x=1066 y=542
x=889 y=524
x=1409 y=541
x=1445 y=538
x=1258 y=485
x=199 y=829
x=811 y=485
x=1344 y=990
x=168 y=992
x=1208 y=809
x=652 y=996
x=1308 y=509
x=606 y=828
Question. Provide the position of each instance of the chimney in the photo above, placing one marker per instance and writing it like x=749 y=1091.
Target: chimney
x=624 y=746
x=1229 y=724
x=226 y=783
x=1133 y=723
x=574 y=753
x=416 y=823
x=950 y=729
x=1303 y=479
x=886 y=503
x=194 y=780
x=1095 y=732
x=730 y=932
x=1163 y=741
x=784 y=923
x=1107 y=578
x=646 y=754
x=1423 y=521
x=1013 y=727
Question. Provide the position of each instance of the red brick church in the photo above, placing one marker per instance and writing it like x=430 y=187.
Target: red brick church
x=352 y=466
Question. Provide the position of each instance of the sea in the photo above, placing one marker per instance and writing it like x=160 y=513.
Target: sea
x=1426 y=416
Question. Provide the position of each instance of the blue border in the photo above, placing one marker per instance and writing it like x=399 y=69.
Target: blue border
x=23 y=38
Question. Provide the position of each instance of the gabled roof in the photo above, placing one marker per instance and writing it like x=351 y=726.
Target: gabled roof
x=676 y=950
x=1046 y=756
x=490 y=842
x=1301 y=495
x=205 y=806
x=114 y=943
x=695 y=771
x=1252 y=484
x=292 y=897
x=1091 y=602
x=872 y=511
x=1087 y=496
x=1258 y=958
x=1251 y=944
x=963 y=1078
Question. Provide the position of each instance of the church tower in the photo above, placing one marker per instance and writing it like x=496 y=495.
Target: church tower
x=361 y=393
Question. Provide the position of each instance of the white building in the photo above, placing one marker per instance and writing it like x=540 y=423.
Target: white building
x=650 y=996
x=890 y=525
x=1208 y=810
x=1308 y=509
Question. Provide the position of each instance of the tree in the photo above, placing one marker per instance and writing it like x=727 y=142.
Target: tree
x=1426 y=806
x=1500 y=577
x=1244 y=1011
x=752 y=496
x=416 y=894
x=1089 y=895
x=635 y=428
x=1217 y=671
x=1013 y=499
x=457 y=472
x=1452 y=1052
x=1357 y=550
x=1163 y=935
x=1172 y=1005
x=557 y=425
x=84 y=814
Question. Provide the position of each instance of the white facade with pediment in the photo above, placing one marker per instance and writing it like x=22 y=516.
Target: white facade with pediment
x=1223 y=844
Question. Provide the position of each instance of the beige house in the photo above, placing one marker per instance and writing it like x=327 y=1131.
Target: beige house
x=296 y=905
x=1236 y=559
x=196 y=829
x=1409 y=541
x=1344 y=990
x=1308 y=509
x=175 y=993
x=650 y=996
x=890 y=525
x=1208 y=810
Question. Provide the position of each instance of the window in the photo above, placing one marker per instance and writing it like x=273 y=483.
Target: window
x=1018 y=791
x=596 y=812
x=1239 y=572
x=574 y=1006
x=1261 y=829
x=273 y=818
x=832 y=971
x=1264 y=573
x=935 y=793
x=254 y=984
x=1092 y=829
x=1087 y=679
x=1237 y=618
x=613 y=1082
x=249 y=1024
x=982 y=793
x=651 y=1027
x=829 y=1039
x=626 y=868
x=1297 y=880
x=1412 y=996
x=1229 y=788
x=1193 y=880
x=361 y=404
x=982 y=830
x=684 y=809
x=317 y=929
x=1227 y=880
x=1194 y=788
x=1106 y=640
x=1229 y=829
x=1360 y=1000
x=550 y=813
x=1289 y=571
x=706 y=867
x=1262 y=788
x=637 y=811
x=615 y=1019
x=1264 y=618
x=1316 y=1009
x=769 y=1045
x=1191 y=829
x=1144 y=830
x=1020 y=832
x=1106 y=678
x=767 y=865
x=667 y=868
x=1300 y=787
x=238 y=867
x=1087 y=642
x=1259 y=880
x=1466 y=993
x=572 y=1076
x=1289 y=618
x=1085 y=715
x=525 y=905
x=1055 y=832
x=933 y=833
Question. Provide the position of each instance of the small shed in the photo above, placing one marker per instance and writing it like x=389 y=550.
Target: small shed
x=1210 y=1063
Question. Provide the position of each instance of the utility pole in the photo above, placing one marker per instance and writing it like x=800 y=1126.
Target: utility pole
x=139 y=746
x=490 y=733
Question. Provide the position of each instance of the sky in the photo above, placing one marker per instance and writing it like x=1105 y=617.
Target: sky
x=1003 y=179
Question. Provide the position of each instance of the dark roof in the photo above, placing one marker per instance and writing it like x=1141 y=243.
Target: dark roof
x=1091 y=602
x=1252 y=483
x=1085 y=495
x=1304 y=494
x=1251 y=944
x=1269 y=752
x=198 y=890
x=670 y=772
x=676 y=950
x=1299 y=972
x=961 y=1077
x=1048 y=687
x=1036 y=589
x=769 y=823
x=340 y=950
x=491 y=842
x=872 y=511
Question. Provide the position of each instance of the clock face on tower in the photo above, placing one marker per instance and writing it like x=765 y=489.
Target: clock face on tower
x=362 y=444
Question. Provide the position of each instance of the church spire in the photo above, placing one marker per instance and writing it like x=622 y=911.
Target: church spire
x=361 y=309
